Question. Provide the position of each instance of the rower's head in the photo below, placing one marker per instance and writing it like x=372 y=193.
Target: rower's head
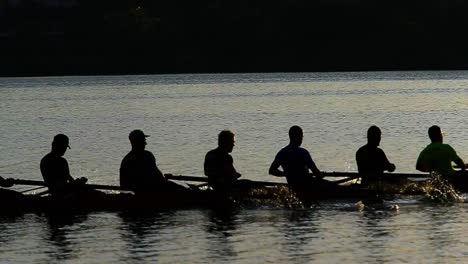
x=296 y=135
x=137 y=139
x=435 y=134
x=374 y=135
x=226 y=140
x=60 y=144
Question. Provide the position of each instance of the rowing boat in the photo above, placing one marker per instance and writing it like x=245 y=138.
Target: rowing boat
x=261 y=193
x=277 y=196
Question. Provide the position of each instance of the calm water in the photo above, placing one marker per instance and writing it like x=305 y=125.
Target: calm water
x=184 y=113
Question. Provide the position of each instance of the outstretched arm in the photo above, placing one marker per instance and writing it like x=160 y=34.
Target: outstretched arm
x=311 y=164
x=388 y=166
x=315 y=171
x=274 y=169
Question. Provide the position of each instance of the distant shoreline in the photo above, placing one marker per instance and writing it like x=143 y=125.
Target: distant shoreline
x=35 y=67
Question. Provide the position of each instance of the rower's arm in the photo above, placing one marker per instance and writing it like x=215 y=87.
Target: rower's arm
x=460 y=163
x=311 y=164
x=274 y=169
x=67 y=175
x=388 y=165
x=421 y=163
x=421 y=167
x=316 y=171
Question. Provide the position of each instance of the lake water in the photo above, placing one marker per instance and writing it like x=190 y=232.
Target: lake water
x=184 y=113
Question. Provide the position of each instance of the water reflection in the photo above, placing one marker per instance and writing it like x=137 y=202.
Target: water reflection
x=440 y=235
x=8 y=234
x=58 y=231
x=140 y=231
x=298 y=230
x=220 y=228
x=378 y=232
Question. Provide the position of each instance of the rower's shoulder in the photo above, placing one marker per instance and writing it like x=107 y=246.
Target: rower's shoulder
x=148 y=153
x=214 y=153
x=293 y=150
x=361 y=149
x=50 y=157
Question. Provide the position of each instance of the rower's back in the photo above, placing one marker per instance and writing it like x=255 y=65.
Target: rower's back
x=219 y=164
x=54 y=168
x=138 y=170
x=371 y=160
x=296 y=163
x=438 y=156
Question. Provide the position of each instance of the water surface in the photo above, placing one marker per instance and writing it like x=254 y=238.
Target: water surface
x=184 y=113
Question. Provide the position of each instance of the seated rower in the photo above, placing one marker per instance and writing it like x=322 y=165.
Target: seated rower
x=219 y=166
x=371 y=160
x=55 y=171
x=297 y=163
x=438 y=157
x=138 y=170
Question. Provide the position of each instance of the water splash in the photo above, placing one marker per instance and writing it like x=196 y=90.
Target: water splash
x=277 y=196
x=438 y=189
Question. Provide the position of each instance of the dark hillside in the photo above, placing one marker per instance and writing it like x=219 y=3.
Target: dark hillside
x=149 y=36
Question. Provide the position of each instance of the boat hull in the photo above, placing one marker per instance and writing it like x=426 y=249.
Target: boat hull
x=281 y=195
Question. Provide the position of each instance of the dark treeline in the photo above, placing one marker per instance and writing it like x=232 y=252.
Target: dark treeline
x=150 y=36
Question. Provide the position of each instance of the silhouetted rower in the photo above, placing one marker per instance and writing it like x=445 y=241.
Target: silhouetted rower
x=296 y=163
x=371 y=160
x=219 y=165
x=55 y=171
x=138 y=170
x=438 y=157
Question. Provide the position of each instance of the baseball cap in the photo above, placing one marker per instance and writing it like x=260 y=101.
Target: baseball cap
x=62 y=140
x=137 y=134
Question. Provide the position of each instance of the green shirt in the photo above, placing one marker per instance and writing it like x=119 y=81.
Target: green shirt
x=438 y=157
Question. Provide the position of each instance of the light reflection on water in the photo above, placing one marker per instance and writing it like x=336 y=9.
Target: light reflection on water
x=327 y=233
x=183 y=114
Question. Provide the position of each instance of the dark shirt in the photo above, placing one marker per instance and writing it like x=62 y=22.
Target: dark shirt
x=371 y=163
x=296 y=163
x=138 y=172
x=219 y=167
x=55 y=171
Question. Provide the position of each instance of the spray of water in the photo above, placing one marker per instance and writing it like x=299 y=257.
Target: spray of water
x=438 y=189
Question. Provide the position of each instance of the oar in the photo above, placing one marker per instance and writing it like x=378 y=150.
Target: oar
x=346 y=179
x=349 y=176
x=93 y=186
x=324 y=173
x=256 y=183
x=33 y=189
x=205 y=179
x=387 y=174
